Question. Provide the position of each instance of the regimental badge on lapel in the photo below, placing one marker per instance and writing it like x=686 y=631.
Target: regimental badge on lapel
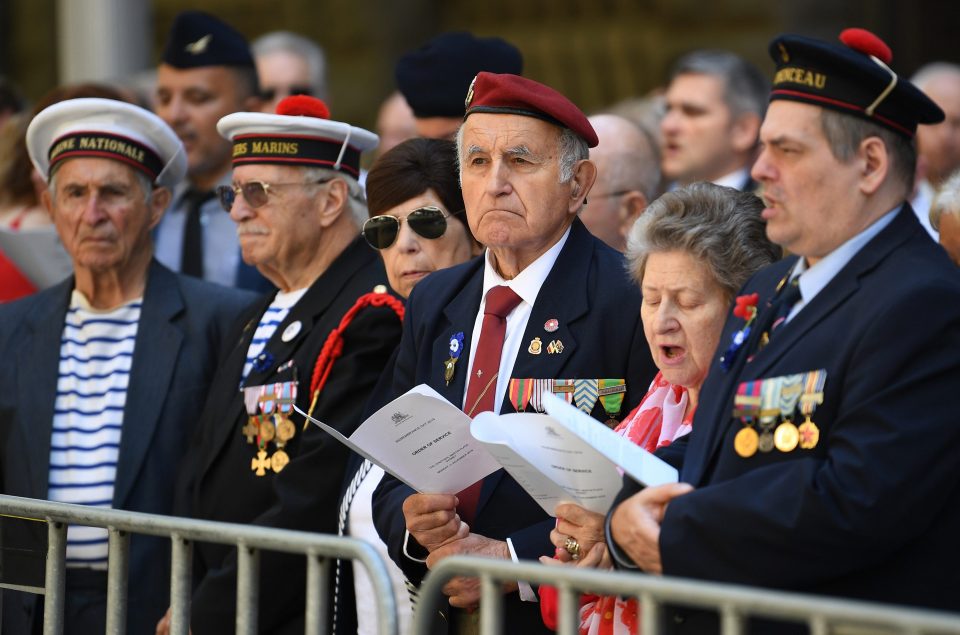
x=456 y=347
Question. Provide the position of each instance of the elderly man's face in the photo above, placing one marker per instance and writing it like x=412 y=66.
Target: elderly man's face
x=282 y=236
x=101 y=213
x=510 y=176
x=812 y=199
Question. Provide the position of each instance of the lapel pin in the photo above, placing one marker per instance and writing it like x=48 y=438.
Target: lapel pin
x=554 y=347
x=292 y=330
x=535 y=346
x=551 y=325
x=456 y=347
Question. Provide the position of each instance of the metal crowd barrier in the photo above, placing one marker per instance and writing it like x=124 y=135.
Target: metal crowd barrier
x=318 y=549
x=733 y=603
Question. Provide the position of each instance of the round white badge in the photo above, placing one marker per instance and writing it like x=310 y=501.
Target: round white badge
x=291 y=331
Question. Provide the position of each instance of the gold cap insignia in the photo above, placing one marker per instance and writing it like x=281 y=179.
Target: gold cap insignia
x=198 y=47
x=466 y=102
x=783 y=53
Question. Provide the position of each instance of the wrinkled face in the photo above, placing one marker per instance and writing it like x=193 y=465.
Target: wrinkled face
x=284 y=234
x=412 y=257
x=696 y=131
x=282 y=74
x=683 y=312
x=811 y=198
x=510 y=177
x=192 y=101
x=101 y=213
x=939 y=145
x=950 y=236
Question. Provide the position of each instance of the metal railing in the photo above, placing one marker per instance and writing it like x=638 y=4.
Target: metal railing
x=318 y=549
x=733 y=603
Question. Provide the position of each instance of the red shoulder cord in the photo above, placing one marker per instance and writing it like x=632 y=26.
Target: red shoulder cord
x=333 y=347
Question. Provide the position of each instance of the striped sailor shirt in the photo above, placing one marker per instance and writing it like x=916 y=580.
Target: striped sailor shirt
x=96 y=353
x=275 y=314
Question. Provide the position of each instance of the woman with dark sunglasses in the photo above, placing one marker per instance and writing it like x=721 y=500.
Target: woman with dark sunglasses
x=418 y=225
x=416 y=212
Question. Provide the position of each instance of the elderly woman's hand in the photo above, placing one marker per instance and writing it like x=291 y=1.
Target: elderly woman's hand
x=578 y=529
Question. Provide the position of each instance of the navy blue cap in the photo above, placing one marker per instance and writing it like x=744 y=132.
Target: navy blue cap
x=199 y=39
x=435 y=77
x=852 y=76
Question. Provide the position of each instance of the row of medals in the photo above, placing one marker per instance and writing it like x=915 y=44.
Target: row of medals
x=276 y=427
x=786 y=437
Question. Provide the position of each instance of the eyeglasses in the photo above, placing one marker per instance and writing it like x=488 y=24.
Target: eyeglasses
x=267 y=94
x=255 y=193
x=382 y=231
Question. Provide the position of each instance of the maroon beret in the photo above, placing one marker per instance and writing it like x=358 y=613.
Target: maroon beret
x=507 y=94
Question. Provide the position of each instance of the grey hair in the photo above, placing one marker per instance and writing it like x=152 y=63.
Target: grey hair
x=845 y=133
x=356 y=199
x=718 y=226
x=571 y=149
x=146 y=185
x=947 y=200
x=934 y=70
x=310 y=51
x=745 y=88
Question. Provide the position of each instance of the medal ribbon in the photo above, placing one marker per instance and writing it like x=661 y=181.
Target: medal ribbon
x=540 y=386
x=564 y=388
x=251 y=396
x=519 y=392
x=747 y=400
x=611 y=392
x=288 y=396
x=585 y=393
x=267 y=402
x=813 y=391
x=770 y=399
x=791 y=387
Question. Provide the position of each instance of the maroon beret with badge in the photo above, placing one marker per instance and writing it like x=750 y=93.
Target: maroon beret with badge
x=852 y=76
x=505 y=94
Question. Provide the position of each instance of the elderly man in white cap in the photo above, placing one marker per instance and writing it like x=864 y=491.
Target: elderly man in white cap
x=319 y=343
x=102 y=372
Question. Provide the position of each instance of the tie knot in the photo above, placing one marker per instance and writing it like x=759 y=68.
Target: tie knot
x=500 y=301
x=791 y=292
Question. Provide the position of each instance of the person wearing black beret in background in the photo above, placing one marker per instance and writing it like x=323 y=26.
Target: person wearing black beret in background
x=435 y=77
x=823 y=454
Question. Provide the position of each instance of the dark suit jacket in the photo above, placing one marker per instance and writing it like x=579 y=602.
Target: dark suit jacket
x=220 y=484
x=873 y=511
x=182 y=331
x=598 y=310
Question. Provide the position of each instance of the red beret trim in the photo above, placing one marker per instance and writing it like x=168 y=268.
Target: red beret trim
x=842 y=104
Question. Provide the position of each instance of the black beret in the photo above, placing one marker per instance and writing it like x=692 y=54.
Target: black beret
x=435 y=77
x=200 y=39
x=853 y=77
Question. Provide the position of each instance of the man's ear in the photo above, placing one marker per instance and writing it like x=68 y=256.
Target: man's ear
x=745 y=131
x=874 y=162
x=159 y=200
x=334 y=203
x=632 y=206
x=584 y=176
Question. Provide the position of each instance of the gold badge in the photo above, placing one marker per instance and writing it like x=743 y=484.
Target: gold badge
x=250 y=430
x=260 y=464
x=279 y=460
x=267 y=431
x=469 y=99
x=200 y=46
x=786 y=437
x=809 y=435
x=783 y=53
x=536 y=346
x=285 y=429
x=745 y=443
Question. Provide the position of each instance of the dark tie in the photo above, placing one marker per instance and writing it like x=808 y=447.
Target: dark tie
x=771 y=319
x=482 y=392
x=191 y=257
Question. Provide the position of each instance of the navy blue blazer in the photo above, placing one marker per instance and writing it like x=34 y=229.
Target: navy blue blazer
x=597 y=306
x=182 y=332
x=873 y=511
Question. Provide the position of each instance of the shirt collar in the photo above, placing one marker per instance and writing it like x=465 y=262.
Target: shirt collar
x=734 y=179
x=527 y=283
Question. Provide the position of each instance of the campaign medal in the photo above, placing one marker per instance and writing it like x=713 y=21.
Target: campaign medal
x=285 y=427
x=812 y=397
x=456 y=347
x=261 y=463
x=563 y=388
x=787 y=436
x=519 y=392
x=585 y=393
x=251 y=397
x=611 y=392
x=536 y=346
x=540 y=386
x=746 y=408
x=279 y=460
x=769 y=411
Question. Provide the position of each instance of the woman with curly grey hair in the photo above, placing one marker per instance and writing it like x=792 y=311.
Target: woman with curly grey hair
x=690 y=251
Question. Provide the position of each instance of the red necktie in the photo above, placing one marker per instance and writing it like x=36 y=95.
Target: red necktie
x=482 y=392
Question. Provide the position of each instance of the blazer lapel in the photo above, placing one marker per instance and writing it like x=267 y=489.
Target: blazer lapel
x=155 y=356
x=38 y=359
x=461 y=313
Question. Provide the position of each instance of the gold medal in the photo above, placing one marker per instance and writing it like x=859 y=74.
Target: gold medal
x=448 y=370
x=267 y=430
x=261 y=464
x=279 y=461
x=285 y=429
x=809 y=434
x=250 y=430
x=745 y=443
x=786 y=436
x=766 y=441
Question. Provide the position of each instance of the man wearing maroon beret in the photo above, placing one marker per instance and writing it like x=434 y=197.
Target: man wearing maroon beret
x=547 y=301
x=823 y=451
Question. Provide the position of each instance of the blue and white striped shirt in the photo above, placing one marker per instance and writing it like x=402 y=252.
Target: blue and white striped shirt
x=271 y=319
x=96 y=353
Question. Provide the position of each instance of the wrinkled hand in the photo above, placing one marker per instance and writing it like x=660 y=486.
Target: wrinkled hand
x=573 y=521
x=432 y=519
x=464 y=592
x=635 y=524
x=163 y=626
x=597 y=558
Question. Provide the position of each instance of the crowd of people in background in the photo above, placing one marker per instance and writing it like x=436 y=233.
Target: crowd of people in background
x=758 y=270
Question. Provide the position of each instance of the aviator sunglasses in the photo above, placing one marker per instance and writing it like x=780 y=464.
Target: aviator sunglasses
x=255 y=193
x=382 y=231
